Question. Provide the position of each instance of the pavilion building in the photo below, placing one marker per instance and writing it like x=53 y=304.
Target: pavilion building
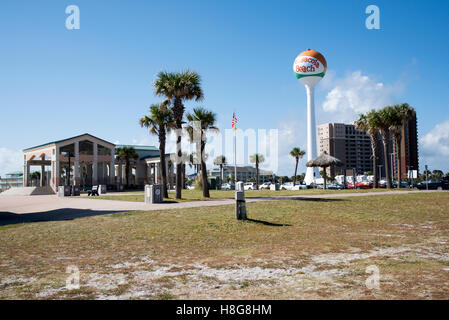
x=86 y=160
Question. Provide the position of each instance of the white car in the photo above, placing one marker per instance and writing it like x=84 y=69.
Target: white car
x=287 y=186
x=249 y=186
x=265 y=185
x=299 y=187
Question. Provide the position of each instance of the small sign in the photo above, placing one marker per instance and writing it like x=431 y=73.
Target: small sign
x=412 y=174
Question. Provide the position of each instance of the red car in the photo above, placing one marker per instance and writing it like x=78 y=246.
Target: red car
x=358 y=185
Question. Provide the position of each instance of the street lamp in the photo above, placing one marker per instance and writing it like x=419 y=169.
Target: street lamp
x=380 y=172
x=391 y=165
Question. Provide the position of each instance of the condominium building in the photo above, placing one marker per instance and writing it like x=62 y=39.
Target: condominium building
x=409 y=149
x=353 y=148
x=11 y=180
x=346 y=143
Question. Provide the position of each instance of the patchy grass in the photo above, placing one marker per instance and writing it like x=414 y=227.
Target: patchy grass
x=197 y=195
x=316 y=248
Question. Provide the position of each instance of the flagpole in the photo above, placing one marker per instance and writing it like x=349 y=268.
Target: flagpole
x=235 y=158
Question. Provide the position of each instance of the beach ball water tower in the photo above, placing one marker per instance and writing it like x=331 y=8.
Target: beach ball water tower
x=310 y=67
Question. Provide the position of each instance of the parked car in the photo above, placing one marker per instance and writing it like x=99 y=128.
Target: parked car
x=265 y=186
x=404 y=184
x=227 y=186
x=299 y=187
x=335 y=186
x=287 y=186
x=249 y=186
x=358 y=185
x=434 y=184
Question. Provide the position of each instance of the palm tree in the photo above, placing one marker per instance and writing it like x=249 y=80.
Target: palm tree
x=401 y=115
x=220 y=161
x=178 y=87
x=126 y=154
x=257 y=158
x=386 y=119
x=206 y=120
x=297 y=153
x=370 y=124
x=35 y=176
x=160 y=121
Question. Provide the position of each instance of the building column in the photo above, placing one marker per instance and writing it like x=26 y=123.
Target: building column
x=156 y=173
x=26 y=173
x=112 y=168
x=95 y=165
x=120 y=172
x=57 y=174
x=76 y=170
x=42 y=173
x=136 y=177
x=148 y=172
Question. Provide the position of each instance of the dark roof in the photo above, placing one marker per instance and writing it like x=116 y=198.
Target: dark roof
x=58 y=141
x=153 y=156
x=138 y=147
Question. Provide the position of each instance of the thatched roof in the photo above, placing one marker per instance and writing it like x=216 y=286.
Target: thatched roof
x=324 y=160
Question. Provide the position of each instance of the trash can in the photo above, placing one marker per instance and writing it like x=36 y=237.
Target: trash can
x=75 y=190
x=102 y=189
x=153 y=193
x=64 y=191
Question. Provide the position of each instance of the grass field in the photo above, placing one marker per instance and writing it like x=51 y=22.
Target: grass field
x=197 y=195
x=290 y=249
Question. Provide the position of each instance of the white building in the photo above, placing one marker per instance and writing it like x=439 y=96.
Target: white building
x=92 y=161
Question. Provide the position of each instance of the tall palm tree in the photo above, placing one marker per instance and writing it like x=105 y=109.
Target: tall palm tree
x=220 y=161
x=386 y=119
x=206 y=119
x=402 y=113
x=257 y=158
x=160 y=121
x=297 y=153
x=126 y=154
x=370 y=124
x=178 y=87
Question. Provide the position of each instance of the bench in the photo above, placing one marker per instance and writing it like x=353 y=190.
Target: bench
x=93 y=191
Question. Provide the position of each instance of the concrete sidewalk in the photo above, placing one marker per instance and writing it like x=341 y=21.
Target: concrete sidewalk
x=49 y=203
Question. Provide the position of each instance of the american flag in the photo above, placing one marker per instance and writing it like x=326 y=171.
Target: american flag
x=234 y=121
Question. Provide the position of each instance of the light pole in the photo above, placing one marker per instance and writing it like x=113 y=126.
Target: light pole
x=427 y=180
x=380 y=172
x=391 y=165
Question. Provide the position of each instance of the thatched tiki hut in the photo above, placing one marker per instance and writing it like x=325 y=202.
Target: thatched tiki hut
x=324 y=161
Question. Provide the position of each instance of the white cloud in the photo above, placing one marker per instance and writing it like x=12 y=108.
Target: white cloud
x=357 y=93
x=10 y=161
x=435 y=147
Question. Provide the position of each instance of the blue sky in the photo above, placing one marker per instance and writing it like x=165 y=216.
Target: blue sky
x=56 y=83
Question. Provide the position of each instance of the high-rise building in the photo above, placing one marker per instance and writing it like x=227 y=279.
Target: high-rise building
x=346 y=143
x=353 y=148
x=409 y=149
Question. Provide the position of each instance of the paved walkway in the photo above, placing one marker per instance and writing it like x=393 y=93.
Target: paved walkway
x=17 y=209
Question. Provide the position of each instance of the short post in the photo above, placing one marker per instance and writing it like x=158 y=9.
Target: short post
x=153 y=193
x=240 y=203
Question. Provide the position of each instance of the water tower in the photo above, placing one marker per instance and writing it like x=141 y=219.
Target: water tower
x=310 y=67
